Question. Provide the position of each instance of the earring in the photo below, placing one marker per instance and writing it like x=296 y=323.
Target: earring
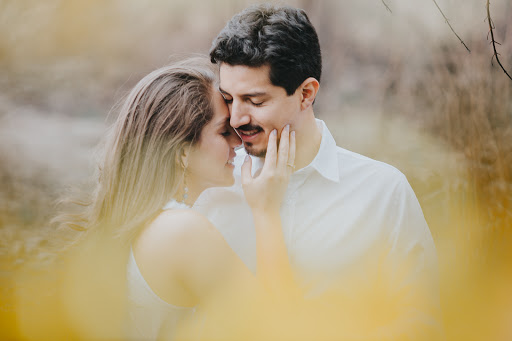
x=185 y=188
x=185 y=193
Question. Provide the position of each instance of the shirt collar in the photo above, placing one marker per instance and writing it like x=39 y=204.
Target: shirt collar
x=326 y=160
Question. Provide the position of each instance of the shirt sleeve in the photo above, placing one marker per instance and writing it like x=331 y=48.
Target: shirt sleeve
x=409 y=269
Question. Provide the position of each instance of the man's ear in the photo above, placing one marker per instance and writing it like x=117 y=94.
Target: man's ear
x=309 y=89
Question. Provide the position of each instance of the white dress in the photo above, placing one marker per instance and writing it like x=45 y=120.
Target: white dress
x=149 y=316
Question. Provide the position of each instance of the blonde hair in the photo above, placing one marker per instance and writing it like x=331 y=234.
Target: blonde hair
x=140 y=171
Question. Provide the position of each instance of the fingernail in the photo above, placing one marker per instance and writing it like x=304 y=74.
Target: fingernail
x=274 y=132
x=247 y=157
x=293 y=133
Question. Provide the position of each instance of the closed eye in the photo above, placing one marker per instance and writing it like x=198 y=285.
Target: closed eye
x=256 y=104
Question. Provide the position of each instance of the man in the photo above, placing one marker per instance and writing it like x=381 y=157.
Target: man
x=346 y=219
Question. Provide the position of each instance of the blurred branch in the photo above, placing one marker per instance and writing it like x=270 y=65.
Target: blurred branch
x=491 y=29
x=387 y=7
x=448 y=22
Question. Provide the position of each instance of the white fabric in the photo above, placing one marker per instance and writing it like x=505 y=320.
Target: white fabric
x=338 y=211
x=148 y=315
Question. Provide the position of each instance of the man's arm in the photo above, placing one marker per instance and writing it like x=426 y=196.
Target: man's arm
x=411 y=267
x=393 y=294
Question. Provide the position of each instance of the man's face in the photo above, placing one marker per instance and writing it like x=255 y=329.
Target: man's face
x=256 y=105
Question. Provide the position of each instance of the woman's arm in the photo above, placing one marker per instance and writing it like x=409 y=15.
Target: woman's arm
x=186 y=261
x=264 y=194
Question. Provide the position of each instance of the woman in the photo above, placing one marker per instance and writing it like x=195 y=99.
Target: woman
x=171 y=141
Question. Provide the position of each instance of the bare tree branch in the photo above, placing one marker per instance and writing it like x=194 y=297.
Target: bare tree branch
x=491 y=29
x=448 y=22
x=387 y=7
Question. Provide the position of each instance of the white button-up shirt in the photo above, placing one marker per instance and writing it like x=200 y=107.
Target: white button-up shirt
x=343 y=216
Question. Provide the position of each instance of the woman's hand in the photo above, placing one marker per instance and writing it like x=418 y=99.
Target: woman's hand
x=265 y=192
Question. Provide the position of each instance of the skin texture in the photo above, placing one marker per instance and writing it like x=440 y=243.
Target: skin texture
x=264 y=194
x=257 y=107
x=174 y=253
x=209 y=162
x=254 y=101
x=185 y=259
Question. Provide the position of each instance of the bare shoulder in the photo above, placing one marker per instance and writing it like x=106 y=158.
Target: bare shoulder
x=166 y=251
x=181 y=217
x=174 y=229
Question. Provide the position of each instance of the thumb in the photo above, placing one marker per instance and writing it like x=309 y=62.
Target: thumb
x=246 y=169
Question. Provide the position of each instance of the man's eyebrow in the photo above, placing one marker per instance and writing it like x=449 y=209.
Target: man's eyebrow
x=251 y=94
x=254 y=94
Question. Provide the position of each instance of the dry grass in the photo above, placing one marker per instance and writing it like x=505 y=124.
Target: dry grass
x=466 y=104
x=423 y=104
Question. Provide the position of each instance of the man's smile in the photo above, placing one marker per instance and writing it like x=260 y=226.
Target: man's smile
x=249 y=133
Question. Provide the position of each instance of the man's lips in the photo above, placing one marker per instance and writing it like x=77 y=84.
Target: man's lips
x=248 y=135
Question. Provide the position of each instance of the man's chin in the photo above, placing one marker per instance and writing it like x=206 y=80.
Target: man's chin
x=251 y=150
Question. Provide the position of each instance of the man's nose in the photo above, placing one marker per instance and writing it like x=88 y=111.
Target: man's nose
x=239 y=115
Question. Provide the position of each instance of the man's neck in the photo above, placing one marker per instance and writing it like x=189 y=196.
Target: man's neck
x=307 y=141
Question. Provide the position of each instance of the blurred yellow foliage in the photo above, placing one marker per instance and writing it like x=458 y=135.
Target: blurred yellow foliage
x=62 y=59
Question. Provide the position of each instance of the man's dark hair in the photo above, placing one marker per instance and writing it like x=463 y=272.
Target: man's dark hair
x=281 y=37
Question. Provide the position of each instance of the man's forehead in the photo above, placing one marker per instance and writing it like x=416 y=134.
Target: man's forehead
x=244 y=79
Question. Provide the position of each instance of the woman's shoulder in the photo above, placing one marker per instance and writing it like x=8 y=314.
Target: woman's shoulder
x=165 y=251
x=176 y=227
x=180 y=221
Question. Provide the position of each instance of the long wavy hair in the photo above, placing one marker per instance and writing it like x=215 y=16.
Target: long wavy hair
x=140 y=170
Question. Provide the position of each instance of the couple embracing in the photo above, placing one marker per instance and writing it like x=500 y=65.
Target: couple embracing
x=220 y=181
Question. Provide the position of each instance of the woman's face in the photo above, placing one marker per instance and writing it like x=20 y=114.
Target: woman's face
x=210 y=161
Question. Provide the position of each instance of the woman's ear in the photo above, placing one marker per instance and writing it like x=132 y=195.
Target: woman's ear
x=309 y=89
x=182 y=157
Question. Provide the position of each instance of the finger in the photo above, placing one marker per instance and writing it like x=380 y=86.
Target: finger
x=284 y=146
x=271 y=156
x=246 y=170
x=291 y=153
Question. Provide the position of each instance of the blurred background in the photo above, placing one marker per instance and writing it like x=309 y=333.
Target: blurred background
x=397 y=86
